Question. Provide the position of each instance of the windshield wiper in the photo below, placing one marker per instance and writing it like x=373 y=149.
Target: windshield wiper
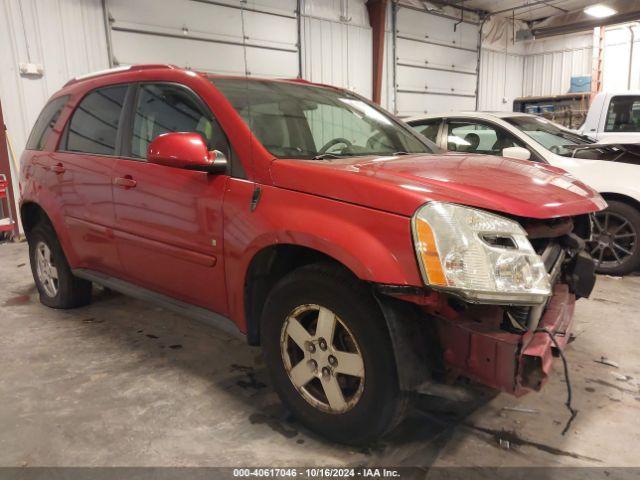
x=397 y=154
x=323 y=156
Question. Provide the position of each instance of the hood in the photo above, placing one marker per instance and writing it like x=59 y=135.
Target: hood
x=620 y=138
x=402 y=184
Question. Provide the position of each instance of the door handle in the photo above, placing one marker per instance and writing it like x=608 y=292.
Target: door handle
x=125 y=182
x=57 y=168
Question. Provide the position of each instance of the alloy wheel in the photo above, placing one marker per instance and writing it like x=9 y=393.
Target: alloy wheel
x=46 y=269
x=322 y=359
x=613 y=239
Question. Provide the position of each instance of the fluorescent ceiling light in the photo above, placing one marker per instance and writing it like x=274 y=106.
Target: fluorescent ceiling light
x=600 y=11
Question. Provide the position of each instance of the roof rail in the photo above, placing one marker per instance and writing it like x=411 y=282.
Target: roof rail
x=122 y=68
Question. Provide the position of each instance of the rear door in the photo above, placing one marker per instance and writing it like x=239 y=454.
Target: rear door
x=169 y=220
x=82 y=166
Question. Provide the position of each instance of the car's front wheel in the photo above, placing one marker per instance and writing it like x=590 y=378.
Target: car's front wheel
x=614 y=245
x=330 y=356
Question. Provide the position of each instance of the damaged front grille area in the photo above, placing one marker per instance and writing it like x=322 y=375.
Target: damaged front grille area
x=510 y=347
x=549 y=240
x=521 y=319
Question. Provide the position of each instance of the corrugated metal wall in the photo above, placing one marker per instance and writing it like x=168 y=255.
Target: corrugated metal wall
x=336 y=44
x=528 y=68
x=65 y=37
x=501 y=80
x=501 y=65
x=550 y=63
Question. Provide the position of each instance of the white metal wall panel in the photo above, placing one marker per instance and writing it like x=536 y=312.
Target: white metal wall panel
x=501 y=79
x=336 y=44
x=619 y=58
x=550 y=63
x=66 y=37
x=435 y=63
x=234 y=37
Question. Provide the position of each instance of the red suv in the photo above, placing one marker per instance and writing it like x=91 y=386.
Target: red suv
x=366 y=262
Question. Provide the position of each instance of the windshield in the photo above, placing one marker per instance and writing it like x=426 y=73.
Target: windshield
x=310 y=122
x=563 y=142
x=548 y=134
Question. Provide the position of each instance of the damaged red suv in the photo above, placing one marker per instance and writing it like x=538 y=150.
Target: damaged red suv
x=364 y=261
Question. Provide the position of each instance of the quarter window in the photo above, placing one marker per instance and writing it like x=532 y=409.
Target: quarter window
x=45 y=123
x=163 y=108
x=94 y=125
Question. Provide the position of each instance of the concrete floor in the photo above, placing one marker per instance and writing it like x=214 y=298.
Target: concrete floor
x=124 y=383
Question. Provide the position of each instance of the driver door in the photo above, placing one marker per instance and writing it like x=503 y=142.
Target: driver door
x=169 y=220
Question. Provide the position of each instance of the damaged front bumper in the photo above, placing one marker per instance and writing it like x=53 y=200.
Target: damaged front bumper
x=512 y=362
x=506 y=348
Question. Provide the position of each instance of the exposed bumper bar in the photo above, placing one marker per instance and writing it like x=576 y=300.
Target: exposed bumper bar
x=536 y=358
x=511 y=362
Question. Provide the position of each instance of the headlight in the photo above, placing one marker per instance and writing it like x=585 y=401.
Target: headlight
x=483 y=258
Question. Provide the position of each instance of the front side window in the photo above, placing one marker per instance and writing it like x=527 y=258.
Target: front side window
x=474 y=137
x=428 y=128
x=623 y=114
x=307 y=122
x=94 y=125
x=163 y=108
x=45 y=123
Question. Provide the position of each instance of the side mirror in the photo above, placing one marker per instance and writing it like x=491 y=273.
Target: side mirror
x=185 y=150
x=518 y=153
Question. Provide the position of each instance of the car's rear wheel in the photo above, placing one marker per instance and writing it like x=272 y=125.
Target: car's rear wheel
x=614 y=244
x=330 y=356
x=57 y=286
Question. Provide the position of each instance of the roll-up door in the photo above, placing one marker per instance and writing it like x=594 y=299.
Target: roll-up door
x=436 y=62
x=237 y=37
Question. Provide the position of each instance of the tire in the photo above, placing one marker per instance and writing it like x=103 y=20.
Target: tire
x=615 y=239
x=372 y=408
x=68 y=291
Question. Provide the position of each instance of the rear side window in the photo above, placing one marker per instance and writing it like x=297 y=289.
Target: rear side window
x=623 y=114
x=94 y=125
x=163 y=108
x=45 y=123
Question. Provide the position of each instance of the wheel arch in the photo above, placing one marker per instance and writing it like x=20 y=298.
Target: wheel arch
x=31 y=213
x=266 y=268
x=621 y=197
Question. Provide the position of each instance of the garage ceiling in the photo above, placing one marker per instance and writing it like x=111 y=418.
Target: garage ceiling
x=526 y=10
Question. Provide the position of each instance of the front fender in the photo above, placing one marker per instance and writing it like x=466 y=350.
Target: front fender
x=375 y=245
x=604 y=176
